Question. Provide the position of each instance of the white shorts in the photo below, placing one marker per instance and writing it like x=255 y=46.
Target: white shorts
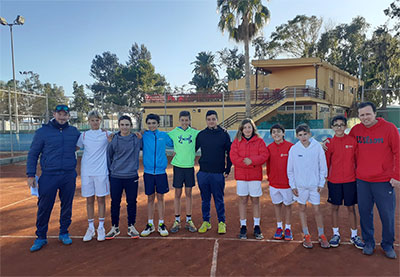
x=95 y=185
x=310 y=195
x=281 y=195
x=252 y=188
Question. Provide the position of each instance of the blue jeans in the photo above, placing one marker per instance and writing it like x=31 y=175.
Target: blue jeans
x=48 y=186
x=383 y=194
x=117 y=186
x=212 y=184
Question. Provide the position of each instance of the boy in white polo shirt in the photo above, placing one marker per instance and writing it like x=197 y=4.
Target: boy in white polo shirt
x=94 y=173
x=307 y=171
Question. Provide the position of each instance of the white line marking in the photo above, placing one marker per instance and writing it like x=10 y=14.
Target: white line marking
x=214 y=259
x=186 y=238
x=12 y=204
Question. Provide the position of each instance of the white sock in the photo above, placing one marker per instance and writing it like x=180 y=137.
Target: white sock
x=151 y=222
x=160 y=221
x=256 y=221
x=178 y=218
x=288 y=226
x=279 y=224
x=91 y=223
x=353 y=233
x=188 y=218
x=336 y=231
x=243 y=222
x=101 y=223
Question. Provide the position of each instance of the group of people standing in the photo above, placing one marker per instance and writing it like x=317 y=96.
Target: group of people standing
x=297 y=172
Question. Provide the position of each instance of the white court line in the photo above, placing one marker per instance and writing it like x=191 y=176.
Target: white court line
x=186 y=238
x=214 y=259
x=15 y=203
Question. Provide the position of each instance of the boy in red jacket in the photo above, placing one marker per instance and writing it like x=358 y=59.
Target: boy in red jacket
x=340 y=158
x=279 y=188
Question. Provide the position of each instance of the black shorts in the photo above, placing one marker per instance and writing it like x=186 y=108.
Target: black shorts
x=153 y=183
x=183 y=175
x=346 y=192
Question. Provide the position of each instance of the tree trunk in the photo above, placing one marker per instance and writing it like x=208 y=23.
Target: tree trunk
x=247 y=75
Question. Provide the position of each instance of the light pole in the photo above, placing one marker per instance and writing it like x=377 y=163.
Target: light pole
x=18 y=21
x=360 y=77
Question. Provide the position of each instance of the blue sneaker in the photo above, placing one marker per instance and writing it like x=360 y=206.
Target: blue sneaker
x=38 y=244
x=335 y=241
x=65 y=239
x=368 y=249
x=391 y=254
x=356 y=240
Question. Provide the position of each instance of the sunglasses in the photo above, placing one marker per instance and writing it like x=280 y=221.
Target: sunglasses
x=62 y=108
x=338 y=125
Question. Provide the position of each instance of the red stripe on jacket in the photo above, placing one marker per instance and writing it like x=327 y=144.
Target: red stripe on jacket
x=277 y=164
x=254 y=149
x=377 y=151
x=341 y=159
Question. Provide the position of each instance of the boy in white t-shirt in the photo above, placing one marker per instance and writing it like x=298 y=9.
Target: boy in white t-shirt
x=94 y=173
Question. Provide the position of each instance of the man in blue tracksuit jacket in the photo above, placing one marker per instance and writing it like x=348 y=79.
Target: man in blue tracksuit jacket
x=55 y=142
x=155 y=179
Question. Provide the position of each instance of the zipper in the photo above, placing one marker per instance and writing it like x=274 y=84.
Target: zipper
x=62 y=147
x=155 y=151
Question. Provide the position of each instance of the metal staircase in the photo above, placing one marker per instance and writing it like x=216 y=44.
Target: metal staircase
x=274 y=101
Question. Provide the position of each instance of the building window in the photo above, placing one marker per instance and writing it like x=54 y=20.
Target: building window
x=282 y=108
x=307 y=107
x=289 y=108
x=324 y=110
x=166 y=121
x=340 y=86
x=351 y=90
x=331 y=82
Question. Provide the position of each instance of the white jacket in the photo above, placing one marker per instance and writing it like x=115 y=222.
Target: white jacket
x=306 y=167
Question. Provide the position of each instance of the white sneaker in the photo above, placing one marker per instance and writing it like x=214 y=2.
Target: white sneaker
x=162 y=229
x=132 y=232
x=101 y=234
x=90 y=233
x=148 y=230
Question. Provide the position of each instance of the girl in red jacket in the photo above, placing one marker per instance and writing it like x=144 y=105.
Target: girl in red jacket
x=248 y=154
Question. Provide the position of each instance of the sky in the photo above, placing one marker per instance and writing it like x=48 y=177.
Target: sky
x=60 y=39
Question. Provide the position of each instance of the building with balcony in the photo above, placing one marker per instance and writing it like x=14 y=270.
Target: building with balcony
x=282 y=86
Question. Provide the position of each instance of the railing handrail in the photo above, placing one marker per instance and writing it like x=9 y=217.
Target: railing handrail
x=235 y=96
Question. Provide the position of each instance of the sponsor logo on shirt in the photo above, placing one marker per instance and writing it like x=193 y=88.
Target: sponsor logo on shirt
x=182 y=139
x=368 y=140
x=300 y=156
x=284 y=155
x=348 y=146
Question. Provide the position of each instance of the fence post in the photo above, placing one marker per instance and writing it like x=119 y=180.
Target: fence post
x=294 y=108
x=10 y=113
x=47 y=108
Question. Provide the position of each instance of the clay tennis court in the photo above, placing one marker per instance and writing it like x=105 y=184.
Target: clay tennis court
x=180 y=254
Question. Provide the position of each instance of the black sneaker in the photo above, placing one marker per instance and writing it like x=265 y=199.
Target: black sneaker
x=243 y=232
x=257 y=232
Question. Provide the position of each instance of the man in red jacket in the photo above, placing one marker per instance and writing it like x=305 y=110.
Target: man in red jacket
x=377 y=173
x=340 y=158
x=279 y=189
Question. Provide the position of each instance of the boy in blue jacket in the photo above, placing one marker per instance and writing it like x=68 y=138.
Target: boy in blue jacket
x=55 y=143
x=155 y=179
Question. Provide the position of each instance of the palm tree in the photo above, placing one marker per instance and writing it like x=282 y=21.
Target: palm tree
x=243 y=19
x=205 y=72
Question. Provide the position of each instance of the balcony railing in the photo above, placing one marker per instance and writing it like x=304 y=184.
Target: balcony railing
x=236 y=96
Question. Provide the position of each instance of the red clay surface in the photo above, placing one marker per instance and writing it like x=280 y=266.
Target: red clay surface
x=180 y=254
